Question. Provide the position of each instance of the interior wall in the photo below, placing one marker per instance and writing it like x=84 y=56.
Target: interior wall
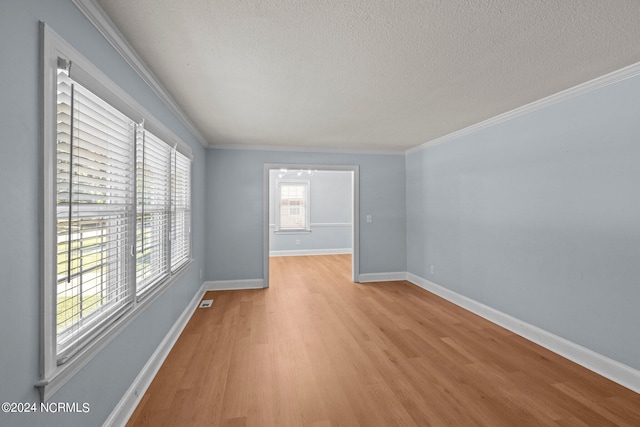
x=538 y=217
x=330 y=214
x=104 y=380
x=234 y=248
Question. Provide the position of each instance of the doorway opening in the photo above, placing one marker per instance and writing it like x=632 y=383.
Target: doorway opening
x=301 y=216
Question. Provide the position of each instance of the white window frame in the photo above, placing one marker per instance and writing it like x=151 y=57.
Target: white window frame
x=152 y=241
x=94 y=214
x=307 y=206
x=180 y=212
x=53 y=375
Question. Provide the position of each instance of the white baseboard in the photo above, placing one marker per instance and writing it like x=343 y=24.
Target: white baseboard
x=232 y=285
x=125 y=407
x=305 y=252
x=608 y=368
x=382 y=277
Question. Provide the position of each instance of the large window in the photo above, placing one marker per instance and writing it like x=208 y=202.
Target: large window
x=293 y=212
x=94 y=193
x=117 y=210
x=180 y=211
x=152 y=215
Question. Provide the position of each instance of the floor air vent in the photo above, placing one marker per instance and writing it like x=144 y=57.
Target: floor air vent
x=206 y=303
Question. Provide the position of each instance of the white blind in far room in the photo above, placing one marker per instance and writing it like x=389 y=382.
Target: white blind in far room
x=293 y=207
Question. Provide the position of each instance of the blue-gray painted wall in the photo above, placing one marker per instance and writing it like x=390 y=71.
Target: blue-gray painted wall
x=104 y=380
x=539 y=217
x=234 y=248
x=331 y=208
x=536 y=217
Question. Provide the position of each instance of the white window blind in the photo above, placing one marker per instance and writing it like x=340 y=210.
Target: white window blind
x=153 y=165
x=114 y=207
x=94 y=203
x=293 y=198
x=180 y=210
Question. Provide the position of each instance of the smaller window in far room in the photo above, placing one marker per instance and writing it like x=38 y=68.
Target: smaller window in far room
x=293 y=206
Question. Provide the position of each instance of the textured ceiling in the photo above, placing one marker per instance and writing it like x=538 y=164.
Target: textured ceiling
x=369 y=74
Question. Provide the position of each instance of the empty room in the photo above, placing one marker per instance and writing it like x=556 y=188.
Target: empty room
x=320 y=213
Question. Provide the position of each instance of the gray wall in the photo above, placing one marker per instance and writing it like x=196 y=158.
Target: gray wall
x=536 y=217
x=103 y=381
x=539 y=217
x=234 y=247
x=331 y=210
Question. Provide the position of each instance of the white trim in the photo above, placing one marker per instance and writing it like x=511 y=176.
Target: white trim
x=298 y=149
x=129 y=401
x=324 y=224
x=292 y=231
x=355 y=212
x=233 y=285
x=617 y=372
x=307 y=252
x=97 y=16
x=48 y=249
x=355 y=221
x=50 y=384
x=105 y=26
x=52 y=377
x=277 y=202
x=107 y=89
x=608 y=368
x=383 y=277
x=581 y=89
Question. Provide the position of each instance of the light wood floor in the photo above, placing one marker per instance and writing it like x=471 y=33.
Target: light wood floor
x=316 y=349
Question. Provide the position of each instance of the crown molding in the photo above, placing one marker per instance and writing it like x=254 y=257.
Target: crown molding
x=107 y=28
x=581 y=89
x=299 y=149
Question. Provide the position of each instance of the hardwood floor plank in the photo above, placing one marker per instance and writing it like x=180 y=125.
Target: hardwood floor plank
x=608 y=417
x=316 y=349
x=235 y=399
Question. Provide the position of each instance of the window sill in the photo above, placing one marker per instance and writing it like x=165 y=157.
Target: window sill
x=301 y=231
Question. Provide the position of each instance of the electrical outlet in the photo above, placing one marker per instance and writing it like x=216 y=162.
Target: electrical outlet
x=369 y=219
x=298 y=242
x=432 y=269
